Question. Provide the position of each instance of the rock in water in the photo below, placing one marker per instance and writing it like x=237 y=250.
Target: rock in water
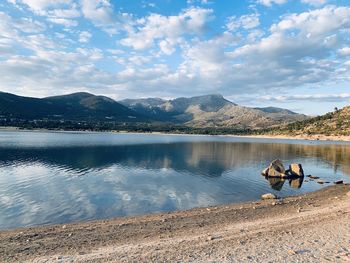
x=296 y=169
x=268 y=196
x=276 y=169
x=265 y=172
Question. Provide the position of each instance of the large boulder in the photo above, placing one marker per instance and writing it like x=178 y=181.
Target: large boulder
x=296 y=169
x=276 y=169
x=265 y=172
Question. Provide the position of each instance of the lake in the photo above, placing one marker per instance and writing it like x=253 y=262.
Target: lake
x=61 y=177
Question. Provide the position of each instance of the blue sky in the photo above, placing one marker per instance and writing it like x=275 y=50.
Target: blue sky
x=291 y=54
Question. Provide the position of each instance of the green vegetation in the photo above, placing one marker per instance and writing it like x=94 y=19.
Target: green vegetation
x=84 y=111
x=117 y=126
x=335 y=123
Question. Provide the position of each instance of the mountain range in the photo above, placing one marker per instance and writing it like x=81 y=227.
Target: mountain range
x=200 y=111
x=77 y=106
x=211 y=111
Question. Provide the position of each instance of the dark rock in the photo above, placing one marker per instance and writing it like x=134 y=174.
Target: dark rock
x=276 y=169
x=339 y=182
x=314 y=177
x=265 y=172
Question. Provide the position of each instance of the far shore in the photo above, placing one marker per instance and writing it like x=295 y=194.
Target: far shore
x=312 y=227
x=316 y=137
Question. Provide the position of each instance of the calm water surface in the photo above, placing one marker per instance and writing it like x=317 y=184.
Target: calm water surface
x=48 y=177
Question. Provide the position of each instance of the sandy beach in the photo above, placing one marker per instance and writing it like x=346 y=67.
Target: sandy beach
x=314 y=227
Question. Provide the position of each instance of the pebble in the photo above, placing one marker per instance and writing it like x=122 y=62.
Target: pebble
x=64 y=227
x=292 y=252
x=348 y=194
x=338 y=182
x=268 y=196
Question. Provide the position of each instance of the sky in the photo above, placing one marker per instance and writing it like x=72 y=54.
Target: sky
x=293 y=54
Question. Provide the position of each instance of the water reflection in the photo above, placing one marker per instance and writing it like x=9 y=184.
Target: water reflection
x=277 y=183
x=297 y=182
x=45 y=183
x=207 y=158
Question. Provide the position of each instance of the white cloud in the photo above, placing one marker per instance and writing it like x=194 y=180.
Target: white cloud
x=60 y=12
x=167 y=29
x=345 y=51
x=63 y=21
x=317 y=22
x=297 y=52
x=271 y=2
x=24 y=24
x=309 y=97
x=41 y=6
x=166 y=47
x=84 y=37
x=100 y=13
x=246 y=21
x=314 y=2
x=300 y=49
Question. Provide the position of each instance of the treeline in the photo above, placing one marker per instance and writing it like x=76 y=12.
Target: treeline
x=118 y=126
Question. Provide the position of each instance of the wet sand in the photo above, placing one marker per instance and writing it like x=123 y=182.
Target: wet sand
x=314 y=227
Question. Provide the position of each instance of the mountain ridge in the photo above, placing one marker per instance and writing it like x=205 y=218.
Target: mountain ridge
x=76 y=106
x=212 y=111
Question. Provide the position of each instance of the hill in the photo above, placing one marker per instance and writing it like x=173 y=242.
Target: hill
x=211 y=111
x=77 y=106
x=335 y=123
x=200 y=112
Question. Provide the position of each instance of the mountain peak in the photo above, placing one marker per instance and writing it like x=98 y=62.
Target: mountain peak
x=76 y=95
x=211 y=102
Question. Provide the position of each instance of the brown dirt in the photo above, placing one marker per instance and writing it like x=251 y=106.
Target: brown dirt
x=314 y=227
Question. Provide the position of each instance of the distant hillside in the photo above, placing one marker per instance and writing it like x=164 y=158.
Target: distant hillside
x=211 y=111
x=335 y=123
x=76 y=106
x=208 y=111
x=275 y=110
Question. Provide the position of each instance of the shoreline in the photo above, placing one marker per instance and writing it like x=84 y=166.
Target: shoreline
x=318 y=137
x=264 y=230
